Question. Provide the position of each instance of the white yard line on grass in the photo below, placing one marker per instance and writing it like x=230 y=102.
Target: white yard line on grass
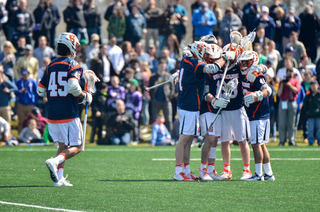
x=37 y=206
x=198 y=159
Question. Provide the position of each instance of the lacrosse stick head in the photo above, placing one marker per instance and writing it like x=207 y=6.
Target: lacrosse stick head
x=245 y=41
x=235 y=38
x=90 y=80
x=230 y=87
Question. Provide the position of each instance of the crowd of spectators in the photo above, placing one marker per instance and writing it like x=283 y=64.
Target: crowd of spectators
x=144 y=47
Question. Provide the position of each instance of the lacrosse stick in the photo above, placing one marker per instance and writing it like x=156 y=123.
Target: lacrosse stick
x=91 y=79
x=228 y=89
x=157 y=85
x=245 y=41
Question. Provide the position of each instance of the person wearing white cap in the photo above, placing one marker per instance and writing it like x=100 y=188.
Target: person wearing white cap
x=267 y=22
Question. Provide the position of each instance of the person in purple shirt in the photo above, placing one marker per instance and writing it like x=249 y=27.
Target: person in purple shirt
x=115 y=92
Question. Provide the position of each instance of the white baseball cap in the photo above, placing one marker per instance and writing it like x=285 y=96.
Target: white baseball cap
x=265 y=9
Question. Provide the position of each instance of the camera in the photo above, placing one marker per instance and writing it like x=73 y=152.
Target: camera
x=286 y=79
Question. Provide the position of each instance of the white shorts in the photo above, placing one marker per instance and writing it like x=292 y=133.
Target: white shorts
x=260 y=131
x=69 y=133
x=205 y=121
x=189 y=122
x=235 y=125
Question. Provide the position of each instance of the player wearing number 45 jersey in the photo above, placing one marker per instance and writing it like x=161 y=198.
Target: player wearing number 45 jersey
x=256 y=102
x=60 y=84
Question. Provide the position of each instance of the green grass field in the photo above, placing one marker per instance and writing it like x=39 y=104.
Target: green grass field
x=117 y=178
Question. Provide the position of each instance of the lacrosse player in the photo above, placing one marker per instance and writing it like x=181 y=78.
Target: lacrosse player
x=60 y=84
x=257 y=108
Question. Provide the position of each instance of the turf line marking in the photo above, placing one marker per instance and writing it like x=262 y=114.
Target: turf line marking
x=37 y=206
x=238 y=159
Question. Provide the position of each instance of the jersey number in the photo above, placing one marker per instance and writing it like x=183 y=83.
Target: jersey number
x=53 y=87
x=180 y=79
x=233 y=94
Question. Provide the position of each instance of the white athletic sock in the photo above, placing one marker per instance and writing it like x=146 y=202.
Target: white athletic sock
x=186 y=168
x=267 y=169
x=178 y=168
x=226 y=167
x=210 y=167
x=213 y=153
x=203 y=165
x=259 y=169
x=60 y=158
x=60 y=172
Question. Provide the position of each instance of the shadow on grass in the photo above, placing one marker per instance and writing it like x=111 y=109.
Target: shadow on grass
x=31 y=186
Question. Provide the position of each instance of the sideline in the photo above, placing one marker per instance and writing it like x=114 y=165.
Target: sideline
x=37 y=206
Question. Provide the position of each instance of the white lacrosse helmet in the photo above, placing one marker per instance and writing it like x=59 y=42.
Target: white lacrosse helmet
x=238 y=53
x=253 y=59
x=216 y=51
x=210 y=39
x=71 y=41
x=201 y=50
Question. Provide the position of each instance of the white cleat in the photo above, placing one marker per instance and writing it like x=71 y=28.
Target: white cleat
x=52 y=166
x=63 y=182
x=214 y=175
x=226 y=175
x=181 y=177
x=246 y=174
x=269 y=177
x=203 y=175
x=255 y=177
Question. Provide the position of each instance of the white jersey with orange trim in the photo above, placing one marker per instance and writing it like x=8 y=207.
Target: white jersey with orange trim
x=62 y=106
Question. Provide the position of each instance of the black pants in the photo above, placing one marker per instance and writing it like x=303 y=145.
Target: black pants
x=98 y=122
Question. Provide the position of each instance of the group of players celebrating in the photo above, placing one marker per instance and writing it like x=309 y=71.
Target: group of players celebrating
x=244 y=116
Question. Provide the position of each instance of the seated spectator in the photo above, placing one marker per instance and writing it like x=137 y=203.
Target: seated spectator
x=27 y=96
x=288 y=64
x=174 y=47
x=128 y=76
x=92 y=17
x=37 y=116
x=27 y=61
x=311 y=106
x=134 y=106
x=117 y=24
x=98 y=110
x=121 y=122
x=260 y=36
x=8 y=59
x=43 y=51
x=142 y=55
x=152 y=14
x=115 y=55
x=230 y=21
x=93 y=50
x=6 y=88
x=299 y=49
x=20 y=47
x=152 y=51
x=289 y=51
x=273 y=54
x=165 y=55
x=115 y=92
x=45 y=62
x=160 y=134
x=30 y=134
x=258 y=48
x=5 y=131
x=203 y=19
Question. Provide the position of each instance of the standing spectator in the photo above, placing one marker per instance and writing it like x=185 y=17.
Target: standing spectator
x=266 y=22
x=260 y=36
x=306 y=66
x=56 y=17
x=289 y=89
x=117 y=24
x=243 y=31
x=77 y=21
x=311 y=6
x=291 y=23
x=27 y=61
x=5 y=131
x=174 y=100
x=301 y=97
x=160 y=134
x=279 y=18
x=27 y=96
x=214 y=7
x=121 y=122
x=277 y=4
x=182 y=16
x=133 y=104
x=117 y=3
x=45 y=62
x=311 y=107
x=93 y=50
x=43 y=19
x=152 y=51
x=203 y=20
x=92 y=17
x=310 y=28
x=288 y=53
x=115 y=92
x=8 y=59
x=41 y=121
x=273 y=54
x=145 y=98
x=251 y=12
x=161 y=96
x=22 y=21
x=135 y=65
x=257 y=47
x=272 y=102
x=174 y=47
x=136 y=25
x=115 y=55
x=126 y=48
x=30 y=134
x=165 y=55
x=142 y=55
x=11 y=6
x=128 y=76
x=21 y=46
x=196 y=5
x=102 y=66
x=281 y=74
x=43 y=51
x=152 y=14
x=6 y=87
x=229 y=21
x=299 y=49
x=67 y=15
x=98 y=110
x=236 y=9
